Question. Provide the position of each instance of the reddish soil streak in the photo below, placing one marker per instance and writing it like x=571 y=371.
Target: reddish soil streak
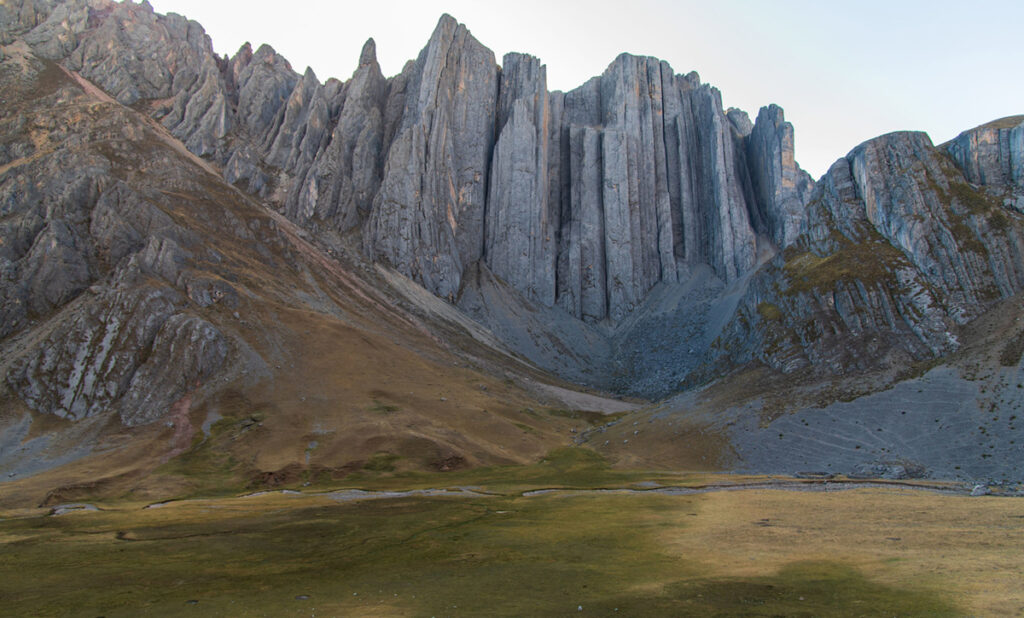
x=183 y=429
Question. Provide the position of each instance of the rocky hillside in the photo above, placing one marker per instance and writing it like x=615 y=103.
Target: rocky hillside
x=170 y=217
x=904 y=243
x=155 y=317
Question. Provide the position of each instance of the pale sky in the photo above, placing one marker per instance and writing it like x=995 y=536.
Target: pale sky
x=844 y=72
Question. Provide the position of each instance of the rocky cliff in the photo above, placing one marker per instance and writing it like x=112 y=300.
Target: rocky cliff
x=904 y=243
x=663 y=239
x=583 y=199
x=100 y=282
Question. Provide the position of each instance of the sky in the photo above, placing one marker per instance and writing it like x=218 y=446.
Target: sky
x=843 y=72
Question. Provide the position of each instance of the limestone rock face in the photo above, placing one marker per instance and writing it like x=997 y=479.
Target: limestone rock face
x=17 y=18
x=90 y=264
x=265 y=84
x=898 y=250
x=522 y=226
x=46 y=257
x=637 y=185
x=50 y=27
x=582 y=283
x=303 y=127
x=657 y=188
x=129 y=350
x=340 y=185
x=955 y=234
x=132 y=53
x=453 y=160
x=779 y=183
x=427 y=221
x=992 y=154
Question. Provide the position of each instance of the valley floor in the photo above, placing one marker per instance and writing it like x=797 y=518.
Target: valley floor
x=494 y=545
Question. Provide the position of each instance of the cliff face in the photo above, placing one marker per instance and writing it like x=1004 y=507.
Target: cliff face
x=777 y=179
x=154 y=309
x=427 y=221
x=583 y=200
x=652 y=188
x=634 y=206
x=992 y=154
x=900 y=249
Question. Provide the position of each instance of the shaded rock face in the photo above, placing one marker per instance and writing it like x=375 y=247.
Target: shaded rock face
x=522 y=225
x=778 y=182
x=94 y=271
x=992 y=154
x=128 y=350
x=647 y=177
x=340 y=185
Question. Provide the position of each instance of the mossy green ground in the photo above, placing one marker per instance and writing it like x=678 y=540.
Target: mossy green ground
x=506 y=553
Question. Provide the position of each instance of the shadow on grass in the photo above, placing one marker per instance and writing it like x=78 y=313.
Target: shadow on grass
x=500 y=556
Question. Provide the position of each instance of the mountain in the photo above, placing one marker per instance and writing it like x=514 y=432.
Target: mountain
x=218 y=271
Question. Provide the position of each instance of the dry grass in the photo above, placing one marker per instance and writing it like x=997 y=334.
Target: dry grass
x=1008 y=122
x=968 y=547
x=862 y=552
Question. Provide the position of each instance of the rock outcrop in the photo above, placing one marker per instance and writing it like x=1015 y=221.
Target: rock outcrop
x=593 y=204
x=339 y=188
x=522 y=224
x=129 y=351
x=779 y=184
x=648 y=177
x=427 y=220
x=583 y=200
x=899 y=250
x=992 y=154
x=93 y=268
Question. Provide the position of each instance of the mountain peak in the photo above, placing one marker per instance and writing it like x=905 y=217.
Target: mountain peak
x=368 y=55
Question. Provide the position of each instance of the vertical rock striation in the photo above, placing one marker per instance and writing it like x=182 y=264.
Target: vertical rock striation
x=427 y=220
x=898 y=250
x=648 y=175
x=522 y=227
x=992 y=154
x=584 y=200
x=339 y=188
x=778 y=182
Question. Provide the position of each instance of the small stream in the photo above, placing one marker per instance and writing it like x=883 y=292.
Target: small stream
x=648 y=488
x=352 y=495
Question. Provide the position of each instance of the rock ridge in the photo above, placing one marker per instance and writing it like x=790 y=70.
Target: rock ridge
x=457 y=160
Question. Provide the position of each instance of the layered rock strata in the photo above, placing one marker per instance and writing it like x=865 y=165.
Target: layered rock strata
x=900 y=249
